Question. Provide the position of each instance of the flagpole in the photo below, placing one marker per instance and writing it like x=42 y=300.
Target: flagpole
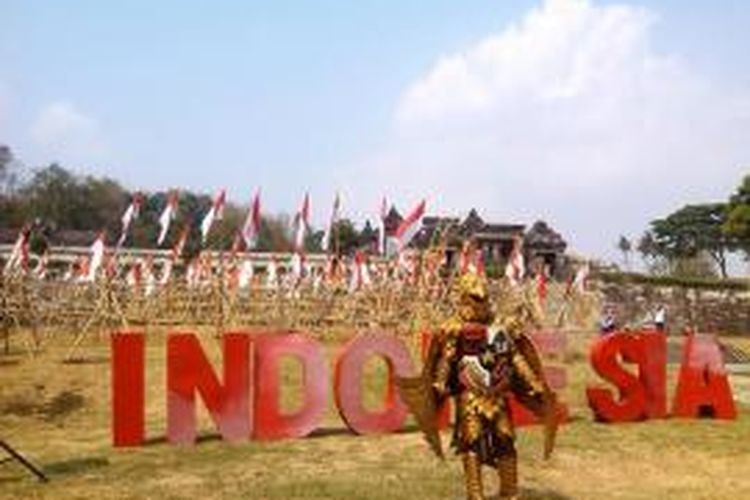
x=336 y=242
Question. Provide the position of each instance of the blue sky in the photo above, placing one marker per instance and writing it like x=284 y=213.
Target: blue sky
x=515 y=107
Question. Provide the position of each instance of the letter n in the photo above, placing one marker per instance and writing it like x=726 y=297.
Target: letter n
x=189 y=371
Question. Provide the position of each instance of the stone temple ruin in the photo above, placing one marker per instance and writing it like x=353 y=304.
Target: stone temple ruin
x=541 y=243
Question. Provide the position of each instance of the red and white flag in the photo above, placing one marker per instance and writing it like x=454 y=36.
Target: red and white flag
x=479 y=262
x=167 y=215
x=301 y=223
x=166 y=272
x=335 y=213
x=40 y=271
x=410 y=225
x=216 y=212
x=464 y=259
x=381 y=227
x=360 y=273
x=236 y=247
x=134 y=277
x=149 y=278
x=251 y=228
x=516 y=268
x=179 y=245
x=19 y=256
x=272 y=279
x=97 y=257
x=131 y=213
x=297 y=267
x=579 y=281
x=245 y=277
x=541 y=286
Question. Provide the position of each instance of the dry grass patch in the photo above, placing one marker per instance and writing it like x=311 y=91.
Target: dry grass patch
x=59 y=415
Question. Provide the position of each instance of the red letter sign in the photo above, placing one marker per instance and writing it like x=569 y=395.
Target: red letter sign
x=703 y=387
x=548 y=343
x=189 y=371
x=348 y=386
x=270 y=422
x=653 y=373
x=631 y=404
x=127 y=389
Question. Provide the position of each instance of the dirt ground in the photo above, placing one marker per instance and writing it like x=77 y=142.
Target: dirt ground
x=58 y=414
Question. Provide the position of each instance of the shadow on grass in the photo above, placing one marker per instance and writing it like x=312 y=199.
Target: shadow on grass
x=202 y=438
x=87 y=360
x=323 y=432
x=75 y=465
x=534 y=494
x=9 y=361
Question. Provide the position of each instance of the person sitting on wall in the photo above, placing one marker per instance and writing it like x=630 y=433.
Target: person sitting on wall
x=608 y=323
x=660 y=318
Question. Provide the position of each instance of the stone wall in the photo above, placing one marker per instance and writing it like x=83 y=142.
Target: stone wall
x=721 y=311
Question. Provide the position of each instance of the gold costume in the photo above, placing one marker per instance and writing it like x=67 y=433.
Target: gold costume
x=480 y=360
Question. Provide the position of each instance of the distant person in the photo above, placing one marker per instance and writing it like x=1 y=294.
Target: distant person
x=660 y=318
x=608 y=323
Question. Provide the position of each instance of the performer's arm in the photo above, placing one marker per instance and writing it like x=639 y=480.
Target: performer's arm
x=443 y=368
x=523 y=369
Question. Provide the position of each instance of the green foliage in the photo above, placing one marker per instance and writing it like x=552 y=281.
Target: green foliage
x=688 y=233
x=61 y=200
x=8 y=175
x=347 y=236
x=275 y=234
x=737 y=224
x=675 y=281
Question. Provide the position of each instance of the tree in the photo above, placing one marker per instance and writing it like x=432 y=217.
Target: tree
x=369 y=237
x=53 y=195
x=692 y=230
x=737 y=223
x=274 y=234
x=625 y=246
x=348 y=237
x=101 y=205
x=8 y=177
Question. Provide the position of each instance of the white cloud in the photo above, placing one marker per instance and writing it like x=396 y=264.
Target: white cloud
x=66 y=133
x=569 y=115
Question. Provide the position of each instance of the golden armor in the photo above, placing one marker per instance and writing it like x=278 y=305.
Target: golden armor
x=479 y=360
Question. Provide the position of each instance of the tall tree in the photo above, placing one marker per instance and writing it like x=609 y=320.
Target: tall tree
x=274 y=234
x=625 y=246
x=347 y=235
x=651 y=254
x=8 y=177
x=737 y=224
x=692 y=230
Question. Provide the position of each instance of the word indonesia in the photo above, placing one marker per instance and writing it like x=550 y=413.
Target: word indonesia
x=245 y=404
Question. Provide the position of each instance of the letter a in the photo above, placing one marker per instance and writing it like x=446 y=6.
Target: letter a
x=703 y=387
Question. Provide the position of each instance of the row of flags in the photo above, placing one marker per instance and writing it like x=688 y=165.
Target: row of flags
x=470 y=260
x=251 y=227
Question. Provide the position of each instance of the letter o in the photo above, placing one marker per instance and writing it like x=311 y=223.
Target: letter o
x=348 y=388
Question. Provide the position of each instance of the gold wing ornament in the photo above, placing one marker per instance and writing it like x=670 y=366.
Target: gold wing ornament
x=422 y=400
x=542 y=405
